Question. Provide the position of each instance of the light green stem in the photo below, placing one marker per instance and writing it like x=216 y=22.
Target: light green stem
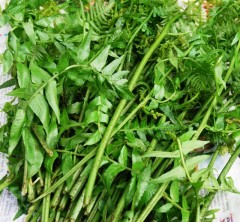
x=67 y=175
x=118 y=111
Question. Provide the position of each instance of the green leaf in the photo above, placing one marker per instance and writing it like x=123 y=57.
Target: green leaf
x=52 y=136
x=173 y=60
x=218 y=70
x=142 y=185
x=67 y=164
x=28 y=27
x=148 y=194
x=112 y=67
x=63 y=62
x=16 y=129
x=33 y=153
x=23 y=75
x=137 y=163
x=93 y=139
x=40 y=107
x=8 y=83
x=100 y=61
x=194 y=161
x=187 y=136
x=179 y=172
x=138 y=144
x=38 y=74
x=159 y=92
x=124 y=92
x=236 y=39
x=111 y=172
x=123 y=157
x=131 y=189
x=23 y=93
x=95 y=117
x=191 y=145
x=51 y=95
x=84 y=48
x=185 y=212
x=49 y=161
x=165 y=208
x=7 y=61
x=174 y=191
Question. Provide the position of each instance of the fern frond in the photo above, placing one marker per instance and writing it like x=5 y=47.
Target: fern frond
x=98 y=16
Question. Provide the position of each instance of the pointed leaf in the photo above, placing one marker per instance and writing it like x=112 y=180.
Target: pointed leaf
x=94 y=138
x=16 y=129
x=67 y=164
x=99 y=62
x=179 y=172
x=187 y=136
x=38 y=74
x=84 y=48
x=111 y=172
x=8 y=83
x=28 y=27
x=51 y=95
x=49 y=161
x=40 y=107
x=124 y=92
x=23 y=75
x=191 y=145
x=142 y=184
x=174 y=191
x=165 y=208
x=123 y=158
x=112 y=67
x=131 y=190
x=52 y=136
x=7 y=61
x=33 y=153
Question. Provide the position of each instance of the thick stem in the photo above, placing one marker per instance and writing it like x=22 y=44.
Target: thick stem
x=118 y=111
x=46 y=199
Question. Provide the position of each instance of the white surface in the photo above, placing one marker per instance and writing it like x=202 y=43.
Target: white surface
x=227 y=203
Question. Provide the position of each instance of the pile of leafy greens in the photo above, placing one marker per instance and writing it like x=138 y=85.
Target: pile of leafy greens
x=115 y=104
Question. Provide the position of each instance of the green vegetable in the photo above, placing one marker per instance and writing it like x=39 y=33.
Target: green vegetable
x=117 y=104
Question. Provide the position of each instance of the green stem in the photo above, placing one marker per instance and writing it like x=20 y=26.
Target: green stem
x=118 y=111
x=31 y=210
x=25 y=179
x=158 y=195
x=67 y=175
x=116 y=215
x=77 y=208
x=46 y=199
x=173 y=202
x=130 y=116
x=56 y=197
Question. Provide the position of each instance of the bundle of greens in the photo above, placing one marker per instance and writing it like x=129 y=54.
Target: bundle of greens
x=114 y=106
